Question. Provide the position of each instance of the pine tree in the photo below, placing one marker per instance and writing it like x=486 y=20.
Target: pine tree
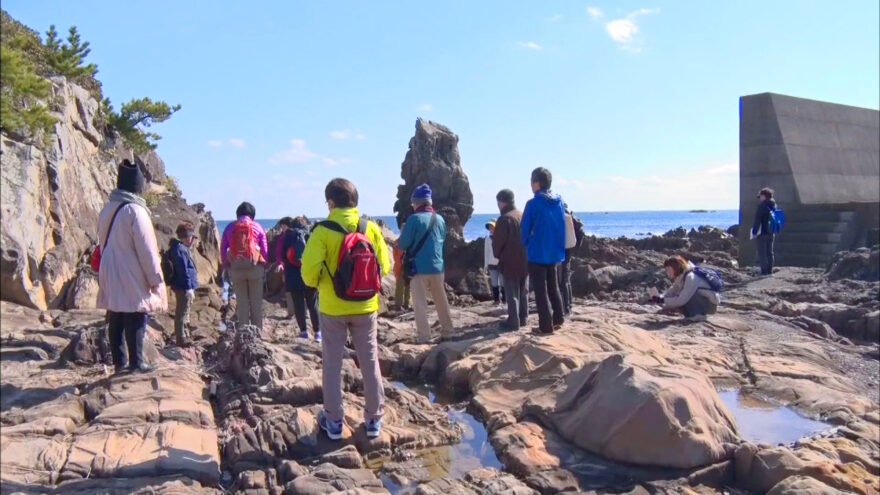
x=22 y=95
x=135 y=117
x=66 y=59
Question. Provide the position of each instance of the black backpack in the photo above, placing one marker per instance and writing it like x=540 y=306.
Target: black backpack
x=579 y=233
x=167 y=266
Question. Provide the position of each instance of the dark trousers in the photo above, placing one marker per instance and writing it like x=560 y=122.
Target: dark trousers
x=699 y=305
x=565 y=284
x=517 y=290
x=765 y=253
x=302 y=300
x=131 y=329
x=545 y=281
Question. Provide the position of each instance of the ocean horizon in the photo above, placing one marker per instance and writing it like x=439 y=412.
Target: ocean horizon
x=611 y=224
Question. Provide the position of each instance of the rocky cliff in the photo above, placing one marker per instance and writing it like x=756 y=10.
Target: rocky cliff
x=52 y=196
x=433 y=159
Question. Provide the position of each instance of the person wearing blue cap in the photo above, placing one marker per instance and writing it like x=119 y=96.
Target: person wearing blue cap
x=423 y=239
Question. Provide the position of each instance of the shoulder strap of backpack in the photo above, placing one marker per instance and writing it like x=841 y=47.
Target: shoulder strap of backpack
x=110 y=227
x=418 y=247
x=362 y=226
x=335 y=227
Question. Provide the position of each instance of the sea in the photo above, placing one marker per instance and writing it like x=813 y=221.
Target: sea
x=613 y=224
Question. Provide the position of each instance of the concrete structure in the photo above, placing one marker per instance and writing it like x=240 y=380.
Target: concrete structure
x=823 y=161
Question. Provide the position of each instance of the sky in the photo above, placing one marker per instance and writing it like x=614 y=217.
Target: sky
x=633 y=105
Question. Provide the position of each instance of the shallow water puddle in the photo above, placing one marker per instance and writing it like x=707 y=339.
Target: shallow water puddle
x=453 y=461
x=762 y=422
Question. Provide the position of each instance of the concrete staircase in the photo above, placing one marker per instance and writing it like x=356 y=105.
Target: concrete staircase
x=812 y=236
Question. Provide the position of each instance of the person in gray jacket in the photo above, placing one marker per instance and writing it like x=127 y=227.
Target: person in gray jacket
x=689 y=294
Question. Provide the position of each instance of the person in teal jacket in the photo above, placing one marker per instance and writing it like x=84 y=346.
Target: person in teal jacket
x=428 y=266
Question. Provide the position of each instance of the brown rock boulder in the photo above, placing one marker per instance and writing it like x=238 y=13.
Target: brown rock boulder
x=433 y=159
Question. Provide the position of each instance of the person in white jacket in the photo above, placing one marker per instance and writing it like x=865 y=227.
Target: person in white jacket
x=130 y=284
x=496 y=281
x=689 y=294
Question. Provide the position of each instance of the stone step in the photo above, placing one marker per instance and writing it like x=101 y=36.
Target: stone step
x=809 y=226
x=819 y=215
x=806 y=247
x=809 y=237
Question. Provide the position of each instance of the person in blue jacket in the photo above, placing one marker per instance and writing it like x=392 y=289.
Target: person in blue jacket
x=183 y=279
x=428 y=262
x=300 y=297
x=543 y=235
x=761 y=230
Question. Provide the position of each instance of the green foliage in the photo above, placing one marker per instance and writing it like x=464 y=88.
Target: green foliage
x=134 y=118
x=27 y=62
x=171 y=186
x=66 y=59
x=152 y=198
x=22 y=94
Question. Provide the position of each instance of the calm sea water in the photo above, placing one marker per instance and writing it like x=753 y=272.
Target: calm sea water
x=633 y=224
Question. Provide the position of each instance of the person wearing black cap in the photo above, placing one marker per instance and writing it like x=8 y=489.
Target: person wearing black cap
x=183 y=278
x=130 y=283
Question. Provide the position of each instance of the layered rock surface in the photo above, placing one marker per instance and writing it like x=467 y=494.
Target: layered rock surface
x=58 y=192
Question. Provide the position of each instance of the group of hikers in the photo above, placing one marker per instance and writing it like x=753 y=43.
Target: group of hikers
x=333 y=271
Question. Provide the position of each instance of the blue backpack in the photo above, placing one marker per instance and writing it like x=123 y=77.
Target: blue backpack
x=777 y=221
x=712 y=277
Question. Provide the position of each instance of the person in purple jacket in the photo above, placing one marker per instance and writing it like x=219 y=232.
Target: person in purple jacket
x=243 y=252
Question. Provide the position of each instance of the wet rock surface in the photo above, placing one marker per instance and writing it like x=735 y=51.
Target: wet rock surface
x=620 y=400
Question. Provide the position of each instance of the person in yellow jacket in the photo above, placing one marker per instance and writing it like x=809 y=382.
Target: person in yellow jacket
x=338 y=317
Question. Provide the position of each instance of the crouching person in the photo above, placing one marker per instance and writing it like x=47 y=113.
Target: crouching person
x=692 y=293
x=345 y=258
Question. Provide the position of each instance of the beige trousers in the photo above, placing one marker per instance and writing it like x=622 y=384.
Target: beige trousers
x=363 y=334
x=421 y=285
x=247 y=280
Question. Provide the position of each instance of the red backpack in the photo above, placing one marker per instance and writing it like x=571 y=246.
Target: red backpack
x=358 y=275
x=244 y=243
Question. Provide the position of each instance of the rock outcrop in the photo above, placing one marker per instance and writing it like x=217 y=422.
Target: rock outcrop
x=433 y=159
x=52 y=196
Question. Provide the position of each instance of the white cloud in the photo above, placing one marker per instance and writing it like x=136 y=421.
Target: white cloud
x=360 y=136
x=345 y=161
x=340 y=135
x=238 y=143
x=555 y=18
x=622 y=30
x=424 y=107
x=330 y=162
x=595 y=12
x=298 y=152
x=625 y=31
x=531 y=45
x=215 y=144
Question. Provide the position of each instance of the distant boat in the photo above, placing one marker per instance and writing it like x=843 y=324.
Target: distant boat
x=702 y=211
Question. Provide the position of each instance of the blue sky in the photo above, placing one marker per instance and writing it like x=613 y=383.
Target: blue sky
x=633 y=105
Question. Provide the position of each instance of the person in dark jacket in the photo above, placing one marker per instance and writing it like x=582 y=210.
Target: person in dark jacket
x=761 y=230
x=184 y=280
x=512 y=261
x=543 y=235
x=300 y=297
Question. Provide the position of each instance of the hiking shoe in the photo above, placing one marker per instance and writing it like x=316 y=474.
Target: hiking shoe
x=697 y=318
x=318 y=337
x=304 y=335
x=333 y=429
x=374 y=428
x=143 y=368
